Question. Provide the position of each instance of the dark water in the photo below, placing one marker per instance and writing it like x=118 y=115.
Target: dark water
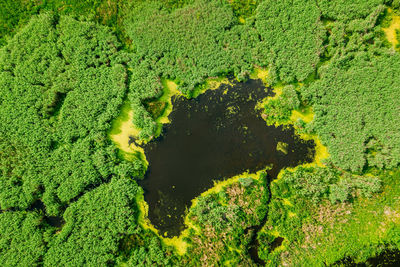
x=388 y=258
x=277 y=243
x=54 y=221
x=214 y=136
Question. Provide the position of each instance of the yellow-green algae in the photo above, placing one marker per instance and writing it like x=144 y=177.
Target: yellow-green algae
x=123 y=127
x=260 y=74
x=321 y=151
x=170 y=89
x=211 y=83
x=390 y=32
x=282 y=147
x=122 y=130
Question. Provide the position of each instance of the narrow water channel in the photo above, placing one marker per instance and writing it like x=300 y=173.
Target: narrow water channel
x=217 y=135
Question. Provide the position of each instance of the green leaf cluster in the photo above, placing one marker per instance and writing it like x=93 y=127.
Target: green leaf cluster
x=291 y=37
x=279 y=109
x=226 y=221
x=317 y=183
x=95 y=225
x=356 y=110
x=62 y=82
x=22 y=241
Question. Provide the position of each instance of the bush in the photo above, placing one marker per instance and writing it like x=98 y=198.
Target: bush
x=95 y=225
x=61 y=84
x=291 y=37
x=279 y=110
x=21 y=239
x=355 y=110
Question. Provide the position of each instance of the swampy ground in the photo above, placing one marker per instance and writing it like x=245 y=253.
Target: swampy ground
x=212 y=137
x=87 y=178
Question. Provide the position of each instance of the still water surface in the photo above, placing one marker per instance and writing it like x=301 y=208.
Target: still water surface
x=217 y=135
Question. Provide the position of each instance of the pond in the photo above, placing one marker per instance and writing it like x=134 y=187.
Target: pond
x=212 y=137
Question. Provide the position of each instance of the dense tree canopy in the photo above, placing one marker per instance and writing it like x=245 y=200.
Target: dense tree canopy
x=62 y=82
x=15 y=14
x=95 y=225
x=359 y=122
x=64 y=78
x=192 y=43
x=291 y=37
x=347 y=10
x=21 y=239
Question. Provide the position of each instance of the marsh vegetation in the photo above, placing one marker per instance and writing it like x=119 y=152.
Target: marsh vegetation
x=84 y=112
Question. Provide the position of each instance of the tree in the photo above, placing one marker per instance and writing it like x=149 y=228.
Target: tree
x=21 y=239
x=95 y=225
x=291 y=37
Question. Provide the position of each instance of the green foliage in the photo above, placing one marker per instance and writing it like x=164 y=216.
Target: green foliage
x=13 y=192
x=339 y=192
x=225 y=220
x=191 y=42
x=61 y=84
x=145 y=248
x=244 y=8
x=95 y=225
x=350 y=187
x=12 y=14
x=347 y=10
x=396 y=4
x=356 y=110
x=279 y=109
x=16 y=13
x=346 y=38
x=21 y=239
x=353 y=100
x=246 y=181
x=212 y=213
x=322 y=233
x=291 y=37
x=308 y=183
x=316 y=184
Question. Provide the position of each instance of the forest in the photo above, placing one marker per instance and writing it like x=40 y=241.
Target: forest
x=70 y=196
